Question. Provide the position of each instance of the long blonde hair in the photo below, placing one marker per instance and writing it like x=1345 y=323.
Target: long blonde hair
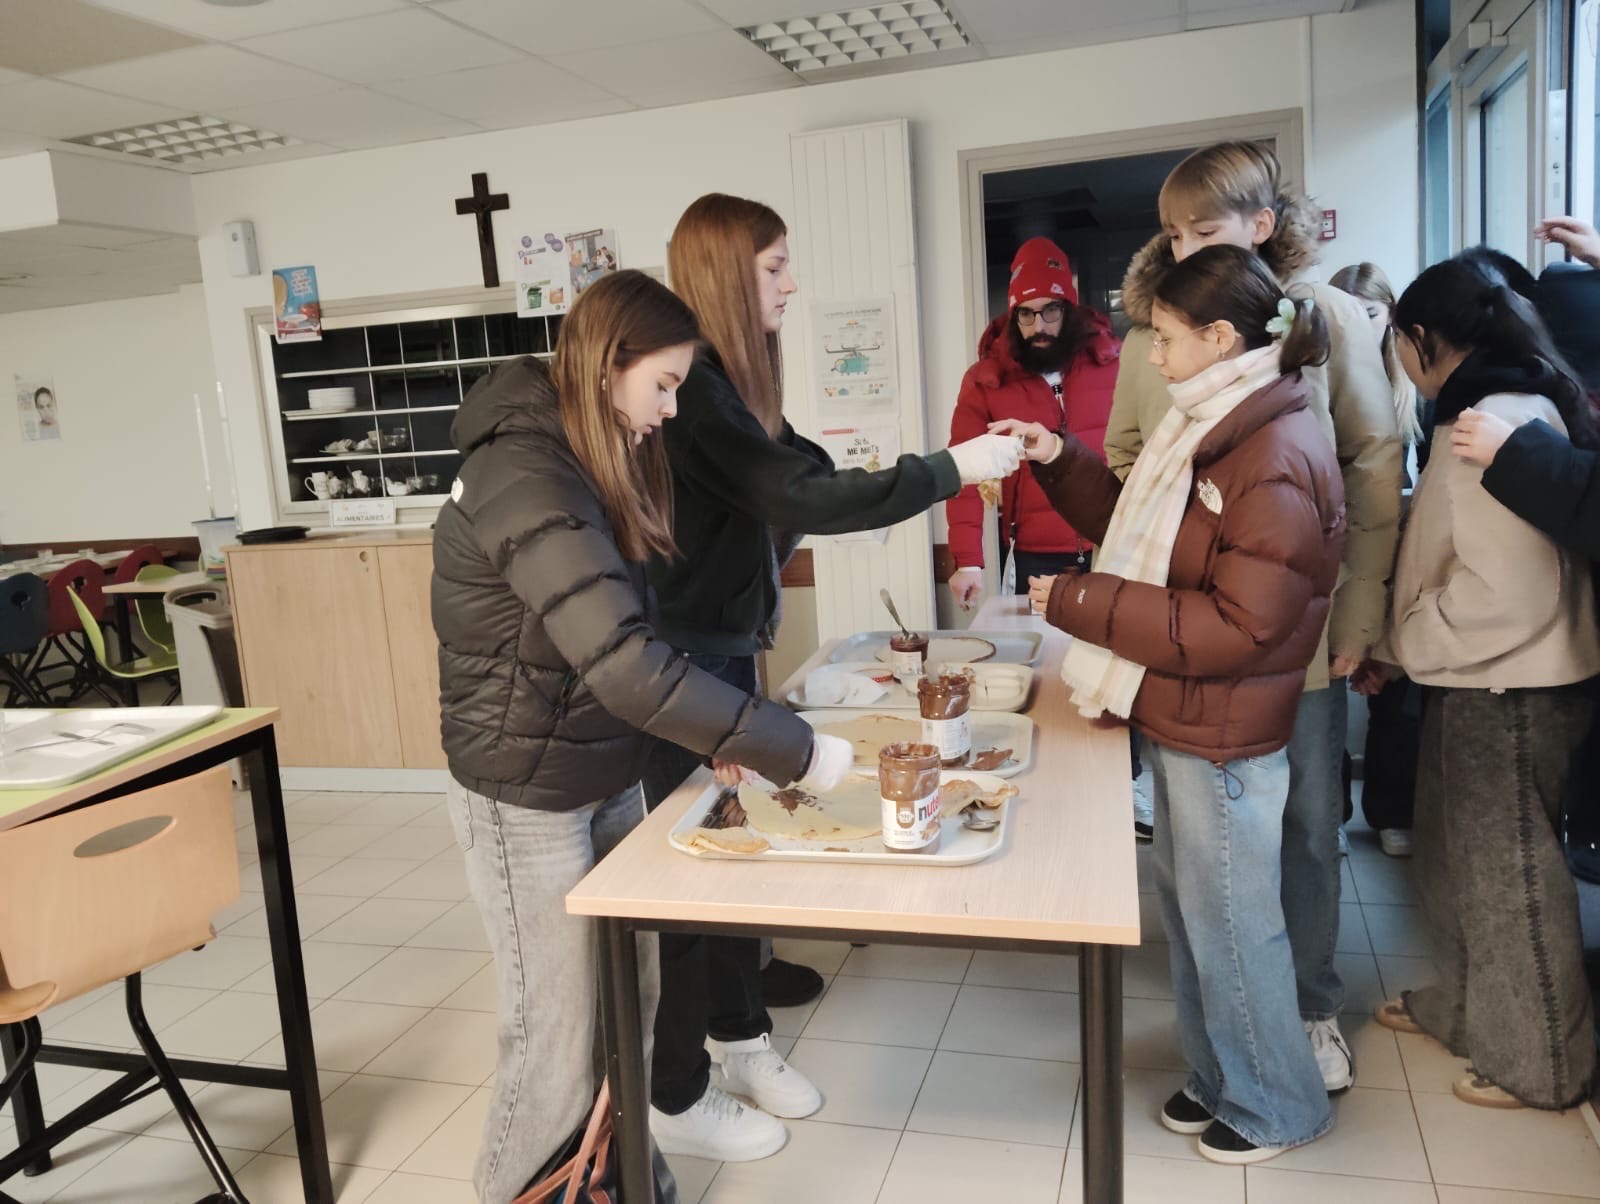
x=617 y=321
x=711 y=262
x=1367 y=282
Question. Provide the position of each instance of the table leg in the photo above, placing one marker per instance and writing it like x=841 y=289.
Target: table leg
x=119 y=608
x=283 y=933
x=1100 y=997
x=26 y=1108
x=622 y=1022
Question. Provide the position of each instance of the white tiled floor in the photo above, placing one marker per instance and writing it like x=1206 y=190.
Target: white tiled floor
x=948 y=1076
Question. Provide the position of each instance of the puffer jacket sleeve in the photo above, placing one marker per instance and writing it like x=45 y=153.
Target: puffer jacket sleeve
x=1262 y=583
x=1540 y=477
x=964 y=512
x=1371 y=457
x=570 y=574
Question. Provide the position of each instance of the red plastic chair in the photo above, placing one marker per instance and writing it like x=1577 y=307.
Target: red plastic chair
x=128 y=570
x=65 y=635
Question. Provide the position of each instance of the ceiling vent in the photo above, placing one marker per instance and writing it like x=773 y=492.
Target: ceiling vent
x=186 y=140
x=858 y=37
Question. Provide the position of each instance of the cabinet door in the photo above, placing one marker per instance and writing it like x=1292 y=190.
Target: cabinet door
x=313 y=641
x=413 y=651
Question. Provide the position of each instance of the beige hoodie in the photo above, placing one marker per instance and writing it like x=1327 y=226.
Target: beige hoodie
x=1352 y=400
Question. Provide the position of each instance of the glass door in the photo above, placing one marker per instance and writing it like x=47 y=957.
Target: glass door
x=1507 y=165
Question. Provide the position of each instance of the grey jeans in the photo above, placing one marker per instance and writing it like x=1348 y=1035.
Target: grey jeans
x=520 y=865
x=1496 y=890
x=1311 y=848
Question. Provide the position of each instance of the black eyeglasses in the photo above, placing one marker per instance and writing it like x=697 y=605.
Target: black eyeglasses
x=1050 y=313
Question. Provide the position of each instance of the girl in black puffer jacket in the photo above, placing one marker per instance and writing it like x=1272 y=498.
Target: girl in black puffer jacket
x=553 y=682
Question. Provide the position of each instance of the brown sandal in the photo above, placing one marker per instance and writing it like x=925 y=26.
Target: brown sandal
x=1397 y=1016
x=1473 y=1088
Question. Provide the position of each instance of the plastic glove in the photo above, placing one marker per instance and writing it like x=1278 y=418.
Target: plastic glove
x=832 y=759
x=987 y=458
x=966 y=585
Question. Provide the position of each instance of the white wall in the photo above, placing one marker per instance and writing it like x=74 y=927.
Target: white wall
x=127 y=464
x=382 y=222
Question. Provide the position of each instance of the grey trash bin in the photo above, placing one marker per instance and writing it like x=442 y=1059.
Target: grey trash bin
x=202 y=622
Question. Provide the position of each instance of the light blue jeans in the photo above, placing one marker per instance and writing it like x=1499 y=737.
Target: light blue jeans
x=1311 y=820
x=1218 y=838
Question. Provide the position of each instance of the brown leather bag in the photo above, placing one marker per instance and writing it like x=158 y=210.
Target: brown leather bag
x=587 y=1177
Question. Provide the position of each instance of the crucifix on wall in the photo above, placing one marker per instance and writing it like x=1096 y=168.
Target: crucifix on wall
x=482 y=205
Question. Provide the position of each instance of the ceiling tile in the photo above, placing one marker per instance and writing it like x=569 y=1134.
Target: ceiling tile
x=46 y=37
x=229 y=24
x=205 y=80
x=649 y=69
x=739 y=13
x=688 y=92
x=351 y=119
x=528 y=92
x=393 y=46
x=557 y=26
x=7 y=76
x=54 y=109
x=998 y=22
x=15 y=142
x=1210 y=14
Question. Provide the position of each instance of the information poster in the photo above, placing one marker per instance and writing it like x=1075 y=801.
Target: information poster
x=37 y=410
x=592 y=255
x=296 y=307
x=543 y=276
x=870 y=447
x=854 y=355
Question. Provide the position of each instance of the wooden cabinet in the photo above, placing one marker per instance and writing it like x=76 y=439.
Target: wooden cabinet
x=337 y=634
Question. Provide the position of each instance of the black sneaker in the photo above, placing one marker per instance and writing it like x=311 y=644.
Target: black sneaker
x=1184 y=1115
x=786 y=985
x=1143 y=833
x=1221 y=1144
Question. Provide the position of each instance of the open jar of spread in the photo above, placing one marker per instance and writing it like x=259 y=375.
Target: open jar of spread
x=945 y=701
x=908 y=780
x=908 y=654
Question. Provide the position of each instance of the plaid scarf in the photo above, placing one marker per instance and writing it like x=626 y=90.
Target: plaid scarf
x=1144 y=526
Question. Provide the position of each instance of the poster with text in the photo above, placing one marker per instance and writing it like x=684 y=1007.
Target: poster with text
x=543 y=276
x=37 y=410
x=870 y=447
x=591 y=254
x=854 y=355
x=296 y=307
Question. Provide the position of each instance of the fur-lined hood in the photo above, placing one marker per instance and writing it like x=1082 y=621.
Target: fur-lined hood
x=1291 y=252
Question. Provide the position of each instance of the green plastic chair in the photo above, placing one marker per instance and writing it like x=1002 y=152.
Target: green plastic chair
x=160 y=664
x=153 y=619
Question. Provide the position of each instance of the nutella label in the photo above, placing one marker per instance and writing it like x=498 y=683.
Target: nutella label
x=952 y=737
x=911 y=824
x=907 y=666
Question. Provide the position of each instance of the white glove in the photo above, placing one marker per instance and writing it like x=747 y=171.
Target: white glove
x=966 y=585
x=987 y=458
x=832 y=759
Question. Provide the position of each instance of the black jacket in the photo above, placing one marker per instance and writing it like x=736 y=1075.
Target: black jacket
x=1541 y=478
x=549 y=671
x=733 y=485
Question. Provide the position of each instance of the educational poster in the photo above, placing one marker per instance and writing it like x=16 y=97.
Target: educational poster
x=871 y=447
x=296 y=307
x=543 y=276
x=591 y=254
x=36 y=409
x=854 y=356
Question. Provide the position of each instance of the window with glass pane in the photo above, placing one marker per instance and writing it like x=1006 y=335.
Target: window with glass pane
x=1438 y=196
x=1506 y=167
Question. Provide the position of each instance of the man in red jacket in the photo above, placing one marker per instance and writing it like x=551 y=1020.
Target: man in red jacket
x=1047 y=359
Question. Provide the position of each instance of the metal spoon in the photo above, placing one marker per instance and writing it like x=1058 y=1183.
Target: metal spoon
x=893 y=613
x=979 y=820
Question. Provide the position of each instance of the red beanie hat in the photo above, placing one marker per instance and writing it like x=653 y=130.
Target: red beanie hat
x=1041 y=269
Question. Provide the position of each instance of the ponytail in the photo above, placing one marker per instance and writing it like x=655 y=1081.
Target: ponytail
x=1306 y=343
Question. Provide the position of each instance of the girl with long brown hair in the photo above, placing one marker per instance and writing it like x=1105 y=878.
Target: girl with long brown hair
x=746 y=488
x=552 y=682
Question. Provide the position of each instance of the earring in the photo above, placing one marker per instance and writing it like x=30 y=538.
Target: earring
x=603 y=386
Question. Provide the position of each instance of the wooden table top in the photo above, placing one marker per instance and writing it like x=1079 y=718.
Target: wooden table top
x=19 y=807
x=1067 y=872
x=157 y=587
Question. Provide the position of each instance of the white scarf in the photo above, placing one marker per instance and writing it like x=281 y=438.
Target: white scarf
x=1144 y=526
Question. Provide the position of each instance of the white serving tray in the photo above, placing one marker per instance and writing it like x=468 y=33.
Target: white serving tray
x=1010 y=647
x=990 y=729
x=42 y=749
x=959 y=845
x=1001 y=688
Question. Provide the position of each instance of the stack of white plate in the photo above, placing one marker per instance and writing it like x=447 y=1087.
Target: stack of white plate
x=331 y=399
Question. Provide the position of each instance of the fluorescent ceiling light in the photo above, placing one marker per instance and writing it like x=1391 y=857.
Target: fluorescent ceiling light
x=186 y=140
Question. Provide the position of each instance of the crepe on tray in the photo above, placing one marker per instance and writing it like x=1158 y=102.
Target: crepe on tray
x=851 y=811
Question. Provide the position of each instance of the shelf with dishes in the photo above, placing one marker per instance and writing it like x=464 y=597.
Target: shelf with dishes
x=347 y=457
x=369 y=414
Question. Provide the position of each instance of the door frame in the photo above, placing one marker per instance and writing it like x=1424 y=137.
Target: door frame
x=1286 y=127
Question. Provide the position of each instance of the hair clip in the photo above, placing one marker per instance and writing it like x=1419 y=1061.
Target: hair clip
x=1280 y=325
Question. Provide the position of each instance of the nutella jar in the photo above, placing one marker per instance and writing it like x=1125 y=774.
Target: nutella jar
x=908 y=655
x=908 y=780
x=945 y=701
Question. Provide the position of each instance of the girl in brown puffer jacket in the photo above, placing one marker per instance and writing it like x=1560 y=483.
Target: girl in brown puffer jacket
x=1217 y=560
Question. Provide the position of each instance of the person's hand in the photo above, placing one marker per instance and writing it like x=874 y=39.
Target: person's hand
x=1039 y=593
x=832 y=759
x=728 y=774
x=1575 y=234
x=1038 y=441
x=1477 y=437
x=1371 y=676
x=1344 y=666
x=966 y=585
x=987 y=458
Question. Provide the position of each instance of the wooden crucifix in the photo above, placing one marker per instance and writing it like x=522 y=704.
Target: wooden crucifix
x=482 y=204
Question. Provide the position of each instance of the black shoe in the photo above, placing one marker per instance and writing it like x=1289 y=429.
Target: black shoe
x=1181 y=1114
x=786 y=985
x=1143 y=833
x=1221 y=1144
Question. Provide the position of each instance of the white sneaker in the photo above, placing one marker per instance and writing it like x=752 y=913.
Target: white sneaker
x=756 y=1071
x=1344 y=842
x=1334 y=1059
x=1395 y=841
x=1144 y=811
x=718 y=1128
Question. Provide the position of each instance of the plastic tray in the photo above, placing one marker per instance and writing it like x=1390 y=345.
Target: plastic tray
x=990 y=729
x=47 y=748
x=1011 y=647
x=1003 y=688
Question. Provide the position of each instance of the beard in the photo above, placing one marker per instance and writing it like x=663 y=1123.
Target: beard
x=1042 y=353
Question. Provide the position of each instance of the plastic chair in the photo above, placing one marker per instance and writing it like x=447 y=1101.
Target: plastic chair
x=24 y=619
x=152 y=612
x=64 y=636
x=157 y=665
x=131 y=565
x=67 y=928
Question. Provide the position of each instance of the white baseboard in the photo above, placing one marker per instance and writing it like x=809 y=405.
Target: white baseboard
x=367 y=781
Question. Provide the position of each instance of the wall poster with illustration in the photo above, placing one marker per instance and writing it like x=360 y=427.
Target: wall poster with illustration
x=37 y=410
